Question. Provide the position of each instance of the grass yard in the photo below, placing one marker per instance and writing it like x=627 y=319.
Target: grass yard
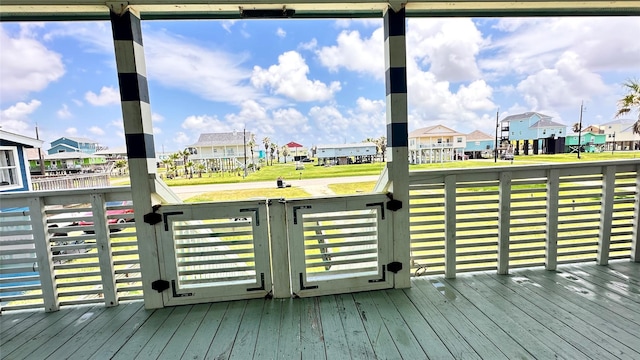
x=271 y=193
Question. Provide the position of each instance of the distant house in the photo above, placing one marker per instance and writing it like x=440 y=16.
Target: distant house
x=589 y=142
x=14 y=171
x=620 y=135
x=73 y=144
x=297 y=151
x=545 y=135
x=342 y=154
x=66 y=162
x=224 y=151
x=478 y=143
x=435 y=144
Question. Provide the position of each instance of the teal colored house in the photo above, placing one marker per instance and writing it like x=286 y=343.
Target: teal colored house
x=479 y=143
x=535 y=130
x=14 y=170
x=73 y=144
x=589 y=142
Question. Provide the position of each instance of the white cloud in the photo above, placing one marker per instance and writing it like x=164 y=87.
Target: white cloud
x=63 y=112
x=16 y=117
x=564 y=85
x=227 y=24
x=448 y=47
x=281 y=33
x=289 y=78
x=71 y=131
x=204 y=123
x=95 y=130
x=181 y=139
x=155 y=117
x=353 y=53
x=27 y=66
x=310 y=45
x=157 y=130
x=108 y=96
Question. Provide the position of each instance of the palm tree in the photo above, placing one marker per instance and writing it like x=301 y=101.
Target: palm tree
x=576 y=127
x=200 y=169
x=285 y=152
x=631 y=102
x=382 y=146
x=272 y=149
x=266 y=141
x=252 y=144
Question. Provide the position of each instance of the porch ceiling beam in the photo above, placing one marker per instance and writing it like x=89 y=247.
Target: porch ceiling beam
x=43 y=10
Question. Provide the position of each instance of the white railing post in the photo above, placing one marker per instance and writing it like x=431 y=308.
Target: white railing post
x=43 y=254
x=606 y=214
x=450 y=226
x=103 y=243
x=635 y=241
x=504 y=222
x=553 y=193
x=279 y=249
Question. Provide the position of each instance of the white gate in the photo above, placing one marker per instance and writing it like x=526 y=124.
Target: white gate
x=339 y=245
x=213 y=252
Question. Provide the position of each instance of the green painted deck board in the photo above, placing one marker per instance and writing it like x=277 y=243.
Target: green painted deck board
x=584 y=311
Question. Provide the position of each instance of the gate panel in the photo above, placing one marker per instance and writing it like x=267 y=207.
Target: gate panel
x=214 y=252
x=339 y=245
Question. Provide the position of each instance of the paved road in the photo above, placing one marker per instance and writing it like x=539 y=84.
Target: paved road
x=312 y=186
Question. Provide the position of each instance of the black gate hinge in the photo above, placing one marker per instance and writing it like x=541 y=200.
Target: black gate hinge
x=394 y=267
x=160 y=285
x=153 y=218
x=394 y=205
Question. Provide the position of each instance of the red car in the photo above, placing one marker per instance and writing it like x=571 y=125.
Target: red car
x=117 y=220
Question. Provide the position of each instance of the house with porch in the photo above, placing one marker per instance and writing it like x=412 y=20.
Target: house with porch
x=14 y=165
x=225 y=151
x=620 y=136
x=436 y=143
x=74 y=144
x=588 y=142
x=343 y=154
x=491 y=263
x=533 y=131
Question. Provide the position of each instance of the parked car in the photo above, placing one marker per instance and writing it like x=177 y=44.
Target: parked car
x=307 y=160
x=460 y=156
x=119 y=220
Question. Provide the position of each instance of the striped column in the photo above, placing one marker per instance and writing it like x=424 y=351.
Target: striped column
x=138 y=130
x=397 y=136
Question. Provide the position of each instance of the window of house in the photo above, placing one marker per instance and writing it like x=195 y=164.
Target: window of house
x=9 y=170
x=459 y=140
x=440 y=141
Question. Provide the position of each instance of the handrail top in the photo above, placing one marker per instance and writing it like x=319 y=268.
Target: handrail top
x=67 y=192
x=58 y=10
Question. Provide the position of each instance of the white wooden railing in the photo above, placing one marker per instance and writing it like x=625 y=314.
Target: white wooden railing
x=523 y=216
x=65 y=182
x=461 y=220
x=50 y=259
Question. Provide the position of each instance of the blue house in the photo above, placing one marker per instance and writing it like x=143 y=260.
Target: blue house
x=73 y=144
x=479 y=143
x=14 y=167
x=544 y=135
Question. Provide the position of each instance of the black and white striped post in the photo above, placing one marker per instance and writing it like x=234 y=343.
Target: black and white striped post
x=395 y=51
x=138 y=130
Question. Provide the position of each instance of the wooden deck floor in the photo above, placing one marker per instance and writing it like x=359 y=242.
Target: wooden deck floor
x=580 y=312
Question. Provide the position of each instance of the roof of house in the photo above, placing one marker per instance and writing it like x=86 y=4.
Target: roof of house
x=479 y=135
x=220 y=139
x=343 y=146
x=79 y=140
x=71 y=148
x=20 y=139
x=120 y=150
x=433 y=131
x=293 y=144
x=524 y=116
x=546 y=122
x=619 y=121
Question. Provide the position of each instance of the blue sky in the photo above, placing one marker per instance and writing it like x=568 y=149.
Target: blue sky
x=313 y=81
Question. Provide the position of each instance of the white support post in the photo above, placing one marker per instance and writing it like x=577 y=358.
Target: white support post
x=635 y=241
x=395 y=50
x=44 y=260
x=103 y=243
x=279 y=245
x=504 y=222
x=450 y=219
x=606 y=214
x=553 y=193
x=138 y=129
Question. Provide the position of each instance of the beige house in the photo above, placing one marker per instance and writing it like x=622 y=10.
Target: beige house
x=620 y=135
x=436 y=144
x=224 y=151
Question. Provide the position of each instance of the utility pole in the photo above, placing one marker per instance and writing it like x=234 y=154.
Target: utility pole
x=40 y=159
x=580 y=128
x=495 y=151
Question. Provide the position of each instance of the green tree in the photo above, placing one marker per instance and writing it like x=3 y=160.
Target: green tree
x=285 y=152
x=272 y=148
x=120 y=165
x=200 y=169
x=576 y=127
x=381 y=142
